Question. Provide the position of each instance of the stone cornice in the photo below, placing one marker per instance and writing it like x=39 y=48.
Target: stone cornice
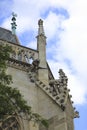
x=18 y=64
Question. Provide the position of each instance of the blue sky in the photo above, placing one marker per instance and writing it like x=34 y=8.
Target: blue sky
x=65 y=27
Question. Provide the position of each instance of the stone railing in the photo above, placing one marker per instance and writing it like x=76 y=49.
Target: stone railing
x=22 y=53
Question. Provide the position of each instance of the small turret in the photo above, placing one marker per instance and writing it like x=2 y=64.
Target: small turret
x=41 y=47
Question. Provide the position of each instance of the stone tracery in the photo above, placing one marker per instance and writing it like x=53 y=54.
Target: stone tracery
x=10 y=123
x=22 y=55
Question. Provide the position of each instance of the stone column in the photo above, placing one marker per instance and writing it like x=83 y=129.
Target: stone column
x=41 y=47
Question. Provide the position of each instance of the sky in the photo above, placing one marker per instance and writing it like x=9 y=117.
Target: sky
x=65 y=28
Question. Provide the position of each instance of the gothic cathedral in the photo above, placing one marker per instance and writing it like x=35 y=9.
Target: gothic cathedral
x=31 y=74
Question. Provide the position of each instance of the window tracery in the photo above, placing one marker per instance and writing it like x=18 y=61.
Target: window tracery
x=10 y=123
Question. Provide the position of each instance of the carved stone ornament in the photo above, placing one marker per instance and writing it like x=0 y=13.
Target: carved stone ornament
x=57 y=86
x=33 y=70
x=10 y=123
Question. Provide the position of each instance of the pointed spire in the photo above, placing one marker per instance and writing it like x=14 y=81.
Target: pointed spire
x=41 y=47
x=13 y=23
x=41 y=29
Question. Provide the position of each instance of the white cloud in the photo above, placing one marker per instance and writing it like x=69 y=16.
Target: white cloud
x=78 y=90
x=55 y=23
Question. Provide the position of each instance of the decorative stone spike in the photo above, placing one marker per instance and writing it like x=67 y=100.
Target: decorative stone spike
x=69 y=90
x=65 y=88
x=72 y=102
x=47 y=88
x=70 y=96
x=74 y=108
x=62 y=100
x=40 y=82
x=64 y=96
x=63 y=107
x=76 y=114
x=43 y=85
x=57 y=97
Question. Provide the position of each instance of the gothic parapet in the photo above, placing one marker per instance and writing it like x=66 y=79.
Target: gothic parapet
x=18 y=64
x=21 y=53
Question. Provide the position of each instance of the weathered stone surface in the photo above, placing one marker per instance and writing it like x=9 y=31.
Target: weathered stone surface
x=47 y=96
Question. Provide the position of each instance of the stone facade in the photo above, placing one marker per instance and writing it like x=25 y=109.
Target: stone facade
x=32 y=76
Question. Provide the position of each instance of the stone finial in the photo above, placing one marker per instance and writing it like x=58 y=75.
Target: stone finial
x=62 y=77
x=41 y=29
x=13 y=23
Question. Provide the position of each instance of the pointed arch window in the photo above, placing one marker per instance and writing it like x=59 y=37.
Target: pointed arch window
x=11 y=123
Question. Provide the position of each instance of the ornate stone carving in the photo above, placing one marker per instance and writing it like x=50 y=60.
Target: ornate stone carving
x=33 y=70
x=76 y=114
x=62 y=78
x=57 y=86
x=22 y=55
x=10 y=123
x=54 y=87
x=19 y=65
